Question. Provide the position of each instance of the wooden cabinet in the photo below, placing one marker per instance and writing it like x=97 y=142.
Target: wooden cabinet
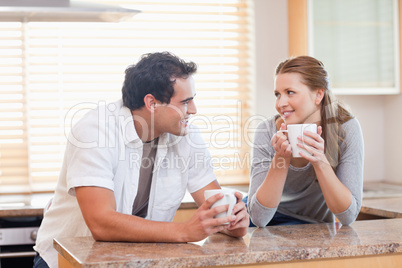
x=184 y=214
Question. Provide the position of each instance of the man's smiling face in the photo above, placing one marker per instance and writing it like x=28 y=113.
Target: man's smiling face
x=173 y=117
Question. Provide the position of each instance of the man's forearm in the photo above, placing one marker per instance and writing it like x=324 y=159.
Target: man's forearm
x=122 y=227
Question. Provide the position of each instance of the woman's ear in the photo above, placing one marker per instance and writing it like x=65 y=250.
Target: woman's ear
x=319 y=96
x=150 y=102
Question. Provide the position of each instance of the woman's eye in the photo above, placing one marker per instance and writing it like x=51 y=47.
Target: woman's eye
x=277 y=95
x=291 y=92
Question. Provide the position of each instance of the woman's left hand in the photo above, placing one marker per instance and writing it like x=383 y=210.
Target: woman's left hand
x=314 y=144
x=242 y=220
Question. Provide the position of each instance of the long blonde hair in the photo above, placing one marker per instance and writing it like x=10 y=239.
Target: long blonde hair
x=333 y=113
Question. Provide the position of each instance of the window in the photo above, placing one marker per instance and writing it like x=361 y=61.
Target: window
x=52 y=73
x=358 y=41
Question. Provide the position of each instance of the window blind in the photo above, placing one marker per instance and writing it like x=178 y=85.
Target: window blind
x=53 y=73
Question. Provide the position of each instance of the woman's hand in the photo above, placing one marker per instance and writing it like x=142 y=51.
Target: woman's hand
x=238 y=227
x=314 y=144
x=281 y=143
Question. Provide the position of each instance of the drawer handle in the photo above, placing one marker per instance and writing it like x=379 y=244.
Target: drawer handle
x=18 y=254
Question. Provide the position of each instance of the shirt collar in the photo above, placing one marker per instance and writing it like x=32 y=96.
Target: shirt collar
x=130 y=135
x=126 y=123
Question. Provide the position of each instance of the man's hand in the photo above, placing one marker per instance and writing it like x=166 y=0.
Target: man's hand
x=202 y=223
x=238 y=224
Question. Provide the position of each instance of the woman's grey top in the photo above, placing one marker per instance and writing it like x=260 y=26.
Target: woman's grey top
x=302 y=197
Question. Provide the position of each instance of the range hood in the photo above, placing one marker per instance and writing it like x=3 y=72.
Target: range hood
x=62 y=11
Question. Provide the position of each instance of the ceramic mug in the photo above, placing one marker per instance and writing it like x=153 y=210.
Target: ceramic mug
x=297 y=130
x=229 y=198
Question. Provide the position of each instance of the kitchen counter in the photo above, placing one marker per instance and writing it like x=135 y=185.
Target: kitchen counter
x=361 y=244
x=383 y=207
x=26 y=205
x=374 y=190
x=381 y=200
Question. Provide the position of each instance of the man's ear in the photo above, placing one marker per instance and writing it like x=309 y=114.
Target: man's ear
x=319 y=96
x=150 y=102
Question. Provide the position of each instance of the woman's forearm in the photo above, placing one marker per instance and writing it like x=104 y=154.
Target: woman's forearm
x=337 y=196
x=270 y=192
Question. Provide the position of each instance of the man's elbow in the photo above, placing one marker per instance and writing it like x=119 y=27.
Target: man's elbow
x=98 y=234
x=99 y=229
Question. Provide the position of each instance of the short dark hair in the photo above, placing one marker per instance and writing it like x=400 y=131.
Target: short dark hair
x=154 y=74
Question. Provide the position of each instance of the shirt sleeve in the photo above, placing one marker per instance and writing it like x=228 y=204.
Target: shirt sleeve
x=90 y=163
x=263 y=154
x=201 y=171
x=350 y=169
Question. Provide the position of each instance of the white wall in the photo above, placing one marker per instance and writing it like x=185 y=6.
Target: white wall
x=369 y=110
x=393 y=138
x=374 y=112
x=271 y=47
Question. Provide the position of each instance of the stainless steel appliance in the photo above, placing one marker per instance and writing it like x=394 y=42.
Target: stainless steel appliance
x=17 y=237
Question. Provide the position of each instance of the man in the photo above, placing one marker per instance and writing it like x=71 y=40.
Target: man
x=128 y=164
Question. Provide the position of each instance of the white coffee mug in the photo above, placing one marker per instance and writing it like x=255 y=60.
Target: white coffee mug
x=229 y=198
x=297 y=130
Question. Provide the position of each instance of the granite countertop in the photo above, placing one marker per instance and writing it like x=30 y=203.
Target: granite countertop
x=261 y=245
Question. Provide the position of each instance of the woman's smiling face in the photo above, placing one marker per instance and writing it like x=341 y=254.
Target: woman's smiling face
x=295 y=102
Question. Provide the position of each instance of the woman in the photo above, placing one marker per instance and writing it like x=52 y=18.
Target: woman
x=321 y=184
